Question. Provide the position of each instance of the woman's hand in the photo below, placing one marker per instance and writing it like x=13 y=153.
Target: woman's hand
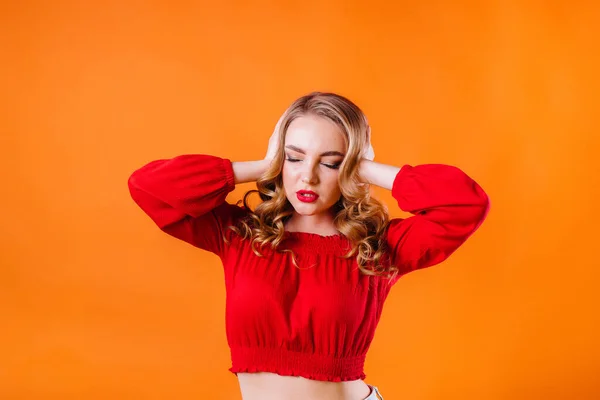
x=250 y=171
x=366 y=164
x=274 y=141
x=369 y=153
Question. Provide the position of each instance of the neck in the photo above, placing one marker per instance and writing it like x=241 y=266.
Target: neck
x=321 y=224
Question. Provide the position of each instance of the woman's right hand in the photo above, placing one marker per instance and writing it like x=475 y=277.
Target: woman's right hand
x=250 y=171
x=274 y=141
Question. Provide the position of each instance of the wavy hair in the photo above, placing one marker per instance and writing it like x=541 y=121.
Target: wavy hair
x=362 y=219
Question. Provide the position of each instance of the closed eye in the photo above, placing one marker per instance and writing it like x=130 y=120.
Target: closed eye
x=332 y=166
x=328 y=165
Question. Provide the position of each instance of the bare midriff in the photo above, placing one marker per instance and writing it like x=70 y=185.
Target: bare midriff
x=270 y=386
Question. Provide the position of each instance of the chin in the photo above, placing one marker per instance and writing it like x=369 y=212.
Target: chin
x=304 y=211
x=305 y=208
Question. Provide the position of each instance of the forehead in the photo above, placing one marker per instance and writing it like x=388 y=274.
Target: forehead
x=315 y=134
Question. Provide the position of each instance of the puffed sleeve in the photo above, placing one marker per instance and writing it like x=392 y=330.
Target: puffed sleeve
x=185 y=197
x=447 y=207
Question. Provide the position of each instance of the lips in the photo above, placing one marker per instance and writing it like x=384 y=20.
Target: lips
x=307 y=196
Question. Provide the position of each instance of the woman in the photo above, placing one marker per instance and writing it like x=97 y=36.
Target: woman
x=307 y=272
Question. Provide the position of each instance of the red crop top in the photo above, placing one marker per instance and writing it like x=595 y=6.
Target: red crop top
x=316 y=321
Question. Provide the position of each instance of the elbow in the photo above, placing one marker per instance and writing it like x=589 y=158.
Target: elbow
x=131 y=181
x=476 y=219
x=484 y=208
x=480 y=206
x=134 y=188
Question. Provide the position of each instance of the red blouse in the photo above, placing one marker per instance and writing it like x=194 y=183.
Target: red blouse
x=316 y=321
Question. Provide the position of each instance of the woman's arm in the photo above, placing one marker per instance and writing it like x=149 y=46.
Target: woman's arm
x=185 y=197
x=249 y=171
x=447 y=207
x=381 y=175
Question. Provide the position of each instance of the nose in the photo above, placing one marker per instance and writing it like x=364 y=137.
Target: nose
x=310 y=175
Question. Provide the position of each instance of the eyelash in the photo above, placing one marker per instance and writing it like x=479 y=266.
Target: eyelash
x=330 y=166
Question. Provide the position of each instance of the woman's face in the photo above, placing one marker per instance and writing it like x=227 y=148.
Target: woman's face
x=314 y=149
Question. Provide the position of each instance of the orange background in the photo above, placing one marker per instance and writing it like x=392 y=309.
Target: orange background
x=97 y=303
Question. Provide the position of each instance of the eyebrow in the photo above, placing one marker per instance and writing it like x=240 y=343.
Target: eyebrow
x=327 y=153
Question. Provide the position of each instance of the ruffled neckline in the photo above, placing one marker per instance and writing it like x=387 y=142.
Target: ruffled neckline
x=314 y=235
x=324 y=244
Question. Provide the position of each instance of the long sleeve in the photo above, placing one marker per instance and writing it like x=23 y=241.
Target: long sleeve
x=185 y=197
x=447 y=207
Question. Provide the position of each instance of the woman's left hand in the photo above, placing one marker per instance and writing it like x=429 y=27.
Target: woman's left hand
x=369 y=153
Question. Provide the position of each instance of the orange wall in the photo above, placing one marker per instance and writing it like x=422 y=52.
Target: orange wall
x=99 y=304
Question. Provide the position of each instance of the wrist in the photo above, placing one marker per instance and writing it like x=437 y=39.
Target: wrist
x=249 y=171
x=378 y=174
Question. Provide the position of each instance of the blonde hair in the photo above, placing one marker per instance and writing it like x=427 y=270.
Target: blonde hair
x=362 y=219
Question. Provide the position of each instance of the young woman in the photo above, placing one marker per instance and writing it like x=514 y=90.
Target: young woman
x=308 y=270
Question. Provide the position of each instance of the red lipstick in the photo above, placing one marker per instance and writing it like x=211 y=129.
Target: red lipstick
x=307 y=196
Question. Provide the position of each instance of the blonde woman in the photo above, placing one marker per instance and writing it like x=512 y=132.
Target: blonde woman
x=308 y=270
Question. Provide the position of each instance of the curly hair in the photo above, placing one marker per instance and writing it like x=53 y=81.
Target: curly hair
x=362 y=219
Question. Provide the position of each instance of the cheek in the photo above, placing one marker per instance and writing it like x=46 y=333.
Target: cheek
x=332 y=183
x=287 y=176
